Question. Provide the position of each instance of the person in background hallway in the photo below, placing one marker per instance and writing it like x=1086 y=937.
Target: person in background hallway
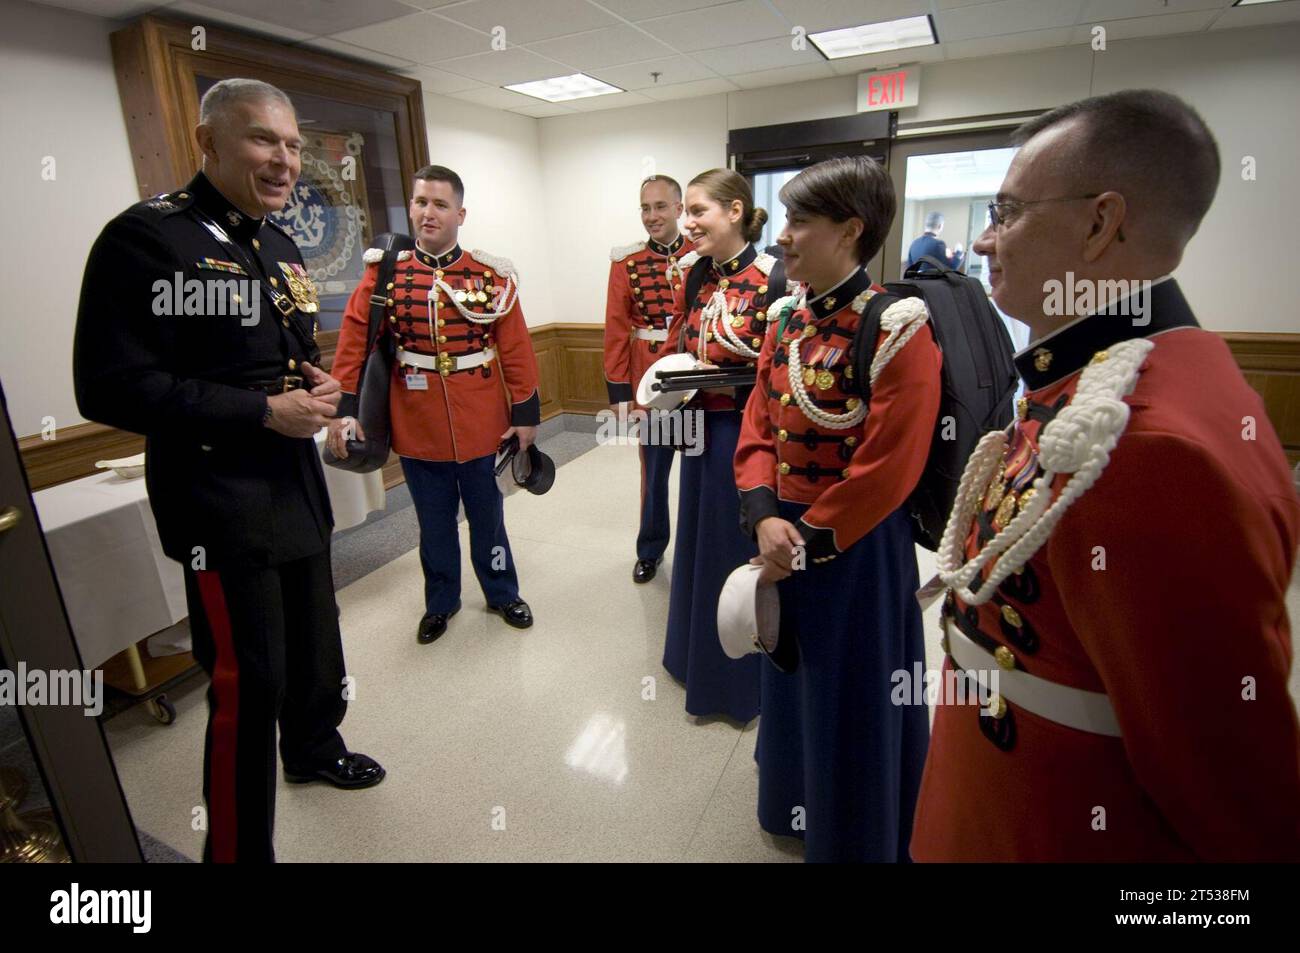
x=929 y=244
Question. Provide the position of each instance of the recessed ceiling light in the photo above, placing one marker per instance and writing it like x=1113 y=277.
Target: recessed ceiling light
x=1247 y=3
x=561 y=88
x=875 y=37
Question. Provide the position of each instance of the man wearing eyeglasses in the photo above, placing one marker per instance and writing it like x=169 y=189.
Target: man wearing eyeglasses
x=1117 y=565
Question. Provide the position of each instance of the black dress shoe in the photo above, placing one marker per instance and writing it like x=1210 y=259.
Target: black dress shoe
x=350 y=771
x=433 y=625
x=515 y=613
x=645 y=569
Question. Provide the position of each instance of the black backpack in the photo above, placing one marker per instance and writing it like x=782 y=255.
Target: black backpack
x=978 y=380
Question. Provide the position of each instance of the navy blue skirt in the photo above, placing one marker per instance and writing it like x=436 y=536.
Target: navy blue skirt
x=709 y=546
x=835 y=756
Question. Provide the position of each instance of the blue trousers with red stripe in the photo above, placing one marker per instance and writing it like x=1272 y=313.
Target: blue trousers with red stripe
x=656 y=466
x=269 y=640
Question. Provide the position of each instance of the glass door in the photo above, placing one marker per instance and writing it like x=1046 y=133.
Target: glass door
x=944 y=184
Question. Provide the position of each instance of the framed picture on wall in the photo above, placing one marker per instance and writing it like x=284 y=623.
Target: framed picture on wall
x=327 y=214
x=363 y=138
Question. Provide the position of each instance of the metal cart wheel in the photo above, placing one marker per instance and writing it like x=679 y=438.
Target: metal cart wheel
x=162 y=709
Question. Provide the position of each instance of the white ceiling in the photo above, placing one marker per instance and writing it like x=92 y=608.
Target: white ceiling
x=957 y=173
x=698 y=47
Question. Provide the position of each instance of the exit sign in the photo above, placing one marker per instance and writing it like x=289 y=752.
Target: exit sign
x=889 y=89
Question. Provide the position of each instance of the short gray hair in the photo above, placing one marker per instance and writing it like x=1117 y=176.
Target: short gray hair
x=218 y=100
x=933 y=221
x=1148 y=145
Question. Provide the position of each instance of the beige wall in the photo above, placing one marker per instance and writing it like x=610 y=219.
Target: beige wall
x=1242 y=81
x=498 y=156
x=57 y=86
x=593 y=165
x=58 y=97
x=555 y=194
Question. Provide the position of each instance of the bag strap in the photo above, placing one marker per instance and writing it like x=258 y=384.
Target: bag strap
x=867 y=338
x=942 y=267
x=694 y=278
x=775 y=282
x=379 y=301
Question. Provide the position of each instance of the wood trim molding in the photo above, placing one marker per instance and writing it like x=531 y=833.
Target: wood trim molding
x=156 y=67
x=571 y=375
x=1271 y=365
x=571 y=380
x=72 y=452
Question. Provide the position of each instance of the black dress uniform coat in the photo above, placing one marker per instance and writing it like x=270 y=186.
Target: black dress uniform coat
x=175 y=341
x=217 y=478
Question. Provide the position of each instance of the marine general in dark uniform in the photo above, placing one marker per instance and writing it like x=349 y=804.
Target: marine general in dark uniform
x=197 y=329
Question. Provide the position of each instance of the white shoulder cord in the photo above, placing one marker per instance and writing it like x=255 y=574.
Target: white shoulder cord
x=1078 y=441
x=716 y=317
x=902 y=319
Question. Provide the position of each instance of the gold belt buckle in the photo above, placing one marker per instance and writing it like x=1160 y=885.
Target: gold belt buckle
x=284 y=304
x=296 y=378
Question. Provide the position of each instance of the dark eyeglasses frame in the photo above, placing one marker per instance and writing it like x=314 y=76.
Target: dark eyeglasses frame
x=997 y=218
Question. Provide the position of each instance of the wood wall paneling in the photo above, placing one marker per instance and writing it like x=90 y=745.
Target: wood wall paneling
x=572 y=380
x=1271 y=365
x=582 y=368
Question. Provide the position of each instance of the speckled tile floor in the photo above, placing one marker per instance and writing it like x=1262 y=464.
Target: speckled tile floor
x=504 y=745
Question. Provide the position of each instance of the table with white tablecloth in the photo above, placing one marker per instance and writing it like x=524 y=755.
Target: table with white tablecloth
x=117 y=585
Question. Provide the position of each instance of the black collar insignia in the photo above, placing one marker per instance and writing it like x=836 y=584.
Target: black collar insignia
x=438 y=261
x=239 y=225
x=841 y=296
x=1066 y=350
x=672 y=248
x=736 y=265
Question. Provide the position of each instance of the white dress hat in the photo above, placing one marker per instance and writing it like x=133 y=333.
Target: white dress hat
x=660 y=400
x=749 y=618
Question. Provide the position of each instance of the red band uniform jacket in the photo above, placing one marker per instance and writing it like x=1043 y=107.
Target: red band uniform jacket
x=640 y=298
x=743 y=283
x=855 y=477
x=1163 y=586
x=456 y=414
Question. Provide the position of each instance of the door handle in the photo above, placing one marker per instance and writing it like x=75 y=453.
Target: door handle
x=9 y=518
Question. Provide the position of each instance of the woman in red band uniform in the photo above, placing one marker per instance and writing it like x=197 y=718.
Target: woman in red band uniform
x=824 y=479
x=723 y=323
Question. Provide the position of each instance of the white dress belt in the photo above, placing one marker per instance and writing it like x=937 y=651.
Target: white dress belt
x=1073 y=707
x=433 y=363
x=648 y=334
